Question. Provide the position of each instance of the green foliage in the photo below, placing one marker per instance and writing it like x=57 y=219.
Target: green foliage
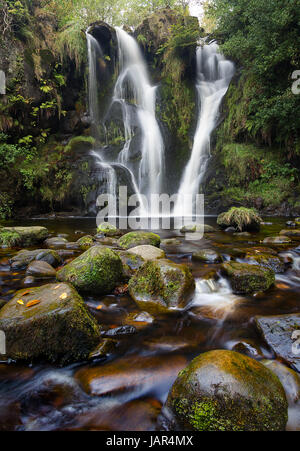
x=182 y=36
x=263 y=37
x=6 y=206
x=240 y=218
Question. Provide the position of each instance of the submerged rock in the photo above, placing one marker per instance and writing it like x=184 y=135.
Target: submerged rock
x=119 y=332
x=57 y=327
x=40 y=270
x=98 y=270
x=171 y=242
x=22 y=236
x=148 y=252
x=161 y=285
x=226 y=391
x=200 y=228
x=290 y=233
x=248 y=279
x=277 y=240
x=130 y=373
x=207 y=256
x=241 y=219
x=282 y=334
x=134 y=239
x=24 y=257
x=104 y=348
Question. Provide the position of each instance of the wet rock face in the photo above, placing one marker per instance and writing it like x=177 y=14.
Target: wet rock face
x=266 y=260
x=207 y=256
x=22 y=236
x=131 y=263
x=277 y=240
x=162 y=285
x=57 y=327
x=282 y=335
x=24 y=258
x=226 y=391
x=98 y=270
x=248 y=279
x=148 y=252
x=40 y=270
x=134 y=239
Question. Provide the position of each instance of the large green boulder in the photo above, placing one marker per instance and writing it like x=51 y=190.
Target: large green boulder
x=226 y=391
x=242 y=219
x=98 y=271
x=161 y=285
x=108 y=229
x=134 y=239
x=56 y=328
x=248 y=279
x=22 y=236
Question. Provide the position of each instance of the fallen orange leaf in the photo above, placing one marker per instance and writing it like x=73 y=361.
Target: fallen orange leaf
x=20 y=302
x=26 y=293
x=282 y=286
x=56 y=288
x=32 y=303
x=100 y=307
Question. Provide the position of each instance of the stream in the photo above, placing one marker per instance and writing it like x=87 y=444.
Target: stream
x=126 y=390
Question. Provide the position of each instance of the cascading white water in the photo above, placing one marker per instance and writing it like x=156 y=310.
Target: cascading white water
x=94 y=51
x=214 y=74
x=133 y=87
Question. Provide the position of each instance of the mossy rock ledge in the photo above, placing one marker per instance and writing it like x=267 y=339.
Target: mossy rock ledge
x=161 y=285
x=134 y=239
x=226 y=391
x=98 y=270
x=248 y=279
x=22 y=236
x=57 y=329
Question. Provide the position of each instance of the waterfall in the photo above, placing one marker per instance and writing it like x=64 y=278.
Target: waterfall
x=214 y=74
x=133 y=87
x=94 y=51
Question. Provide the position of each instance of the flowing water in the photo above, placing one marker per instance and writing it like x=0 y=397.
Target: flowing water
x=126 y=390
x=214 y=74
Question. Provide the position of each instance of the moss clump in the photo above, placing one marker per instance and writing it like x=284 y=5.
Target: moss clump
x=134 y=239
x=226 y=391
x=269 y=261
x=108 y=229
x=98 y=271
x=161 y=285
x=10 y=239
x=248 y=279
x=24 y=236
x=243 y=219
x=57 y=329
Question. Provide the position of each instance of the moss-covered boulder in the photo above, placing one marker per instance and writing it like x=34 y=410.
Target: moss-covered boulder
x=22 y=236
x=200 y=228
x=248 y=279
x=266 y=260
x=134 y=239
x=242 y=219
x=57 y=327
x=108 y=229
x=226 y=391
x=85 y=242
x=162 y=285
x=207 y=256
x=98 y=270
x=23 y=258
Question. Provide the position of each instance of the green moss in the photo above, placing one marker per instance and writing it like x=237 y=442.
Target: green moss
x=98 y=271
x=134 y=239
x=10 y=239
x=248 y=279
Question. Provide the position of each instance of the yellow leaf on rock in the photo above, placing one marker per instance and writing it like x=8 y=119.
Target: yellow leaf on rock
x=32 y=303
x=20 y=302
x=63 y=296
